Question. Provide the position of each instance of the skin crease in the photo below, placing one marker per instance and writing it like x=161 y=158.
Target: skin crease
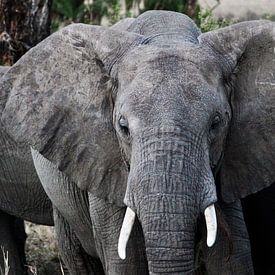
x=156 y=119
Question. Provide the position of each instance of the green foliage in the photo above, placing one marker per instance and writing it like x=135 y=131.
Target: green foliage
x=178 y=5
x=269 y=17
x=114 y=15
x=94 y=12
x=67 y=11
x=207 y=22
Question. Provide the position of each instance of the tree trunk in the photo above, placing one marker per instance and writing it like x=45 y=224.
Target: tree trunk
x=22 y=25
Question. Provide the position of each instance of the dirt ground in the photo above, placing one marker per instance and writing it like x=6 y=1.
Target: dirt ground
x=42 y=251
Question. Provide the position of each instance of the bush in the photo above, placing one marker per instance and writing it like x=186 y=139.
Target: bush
x=67 y=11
x=207 y=22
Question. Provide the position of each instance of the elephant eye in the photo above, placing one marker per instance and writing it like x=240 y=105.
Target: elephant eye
x=216 y=122
x=123 y=124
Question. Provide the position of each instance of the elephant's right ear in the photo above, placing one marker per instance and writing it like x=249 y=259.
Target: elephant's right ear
x=59 y=101
x=246 y=55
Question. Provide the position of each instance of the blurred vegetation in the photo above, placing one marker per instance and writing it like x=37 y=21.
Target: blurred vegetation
x=207 y=22
x=65 y=12
x=269 y=17
x=94 y=11
x=189 y=7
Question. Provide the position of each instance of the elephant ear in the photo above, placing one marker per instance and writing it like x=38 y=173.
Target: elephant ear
x=247 y=56
x=59 y=101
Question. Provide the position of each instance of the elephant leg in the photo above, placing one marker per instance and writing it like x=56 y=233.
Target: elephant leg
x=259 y=212
x=107 y=219
x=74 y=256
x=20 y=237
x=231 y=253
x=12 y=240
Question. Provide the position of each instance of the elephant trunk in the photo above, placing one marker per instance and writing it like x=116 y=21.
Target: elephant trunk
x=168 y=190
x=168 y=222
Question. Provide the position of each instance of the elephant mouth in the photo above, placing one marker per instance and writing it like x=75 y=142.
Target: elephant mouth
x=130 y=216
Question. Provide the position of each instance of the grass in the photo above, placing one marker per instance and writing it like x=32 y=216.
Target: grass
x=41 y=252
x=6 y=262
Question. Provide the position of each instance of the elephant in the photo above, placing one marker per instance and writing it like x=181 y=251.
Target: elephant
x=258 y=212
x=21 y=198
x=157 y=126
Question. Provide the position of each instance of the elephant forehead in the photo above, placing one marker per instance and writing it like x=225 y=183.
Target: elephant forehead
x=153 y=68
x=168 y=55
x=169 y=78
x=167 y=96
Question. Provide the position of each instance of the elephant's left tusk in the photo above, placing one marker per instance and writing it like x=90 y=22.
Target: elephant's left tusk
x=125 y=232
x=211 y=224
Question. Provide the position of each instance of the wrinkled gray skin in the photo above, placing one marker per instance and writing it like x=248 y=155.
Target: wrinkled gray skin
x=160 y=118
x=21 y=197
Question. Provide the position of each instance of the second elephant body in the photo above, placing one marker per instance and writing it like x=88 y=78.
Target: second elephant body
x=22 y=197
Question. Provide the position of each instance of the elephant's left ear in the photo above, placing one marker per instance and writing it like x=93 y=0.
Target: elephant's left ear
x=58 y=98
x=247 y=55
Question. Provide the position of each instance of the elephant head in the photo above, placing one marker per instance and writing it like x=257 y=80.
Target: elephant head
x=148 y=117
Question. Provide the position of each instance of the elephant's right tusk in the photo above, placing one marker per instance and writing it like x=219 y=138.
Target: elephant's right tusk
x=125 y=232
x=211 y=224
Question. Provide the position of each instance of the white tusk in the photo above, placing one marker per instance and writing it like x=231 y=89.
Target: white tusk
x=125 y=232
x=211 y=224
